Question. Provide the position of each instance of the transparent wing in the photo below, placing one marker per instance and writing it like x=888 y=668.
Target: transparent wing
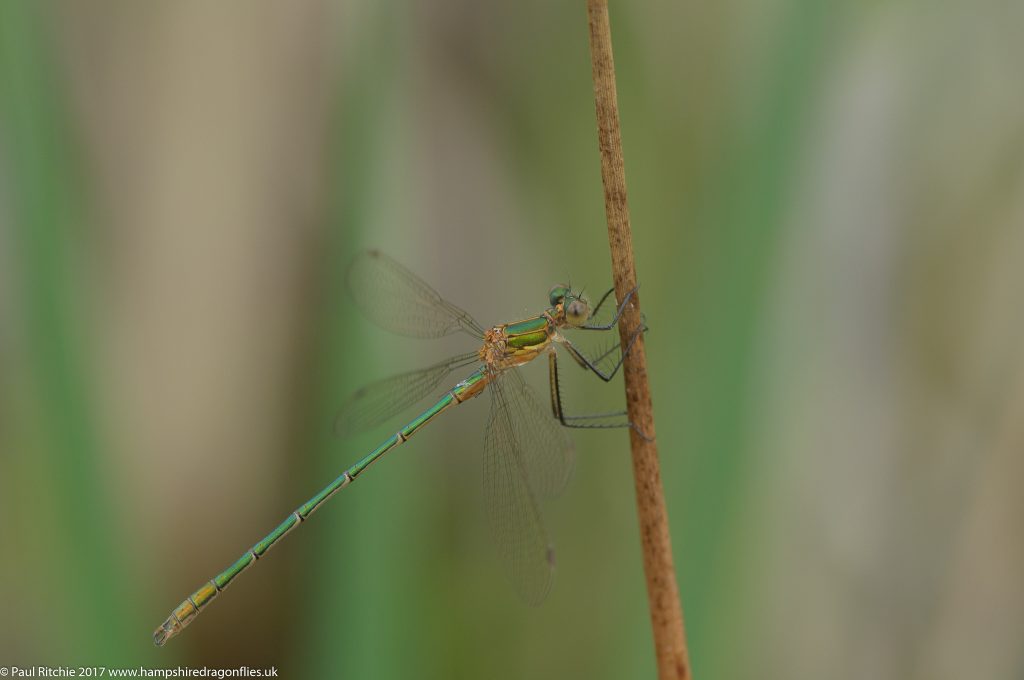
x=526 y=458
x=546 y=447
x=377 y=402
x=399 y=301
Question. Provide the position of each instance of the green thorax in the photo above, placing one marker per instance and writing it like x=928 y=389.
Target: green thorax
x=528 y=332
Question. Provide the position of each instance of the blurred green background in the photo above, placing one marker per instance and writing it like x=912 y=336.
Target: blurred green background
x=828 y=211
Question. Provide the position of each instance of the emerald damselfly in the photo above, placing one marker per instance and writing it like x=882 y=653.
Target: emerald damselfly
x=528 y=457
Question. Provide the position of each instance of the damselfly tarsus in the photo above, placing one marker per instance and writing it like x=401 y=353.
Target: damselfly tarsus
x=527 y=456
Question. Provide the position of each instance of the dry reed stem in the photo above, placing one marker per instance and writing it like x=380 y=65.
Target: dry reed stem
x=662 y=590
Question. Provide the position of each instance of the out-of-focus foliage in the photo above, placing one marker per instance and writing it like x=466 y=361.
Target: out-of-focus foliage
x=827 y=201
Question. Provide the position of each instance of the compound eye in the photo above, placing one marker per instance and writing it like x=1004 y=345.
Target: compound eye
x=577 y=312
x=557 y=294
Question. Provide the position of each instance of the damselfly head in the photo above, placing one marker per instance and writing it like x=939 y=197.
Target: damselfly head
x=575 y=308
x=577 y=311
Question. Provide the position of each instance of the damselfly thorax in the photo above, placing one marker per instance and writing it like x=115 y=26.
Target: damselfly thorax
x=513 y=344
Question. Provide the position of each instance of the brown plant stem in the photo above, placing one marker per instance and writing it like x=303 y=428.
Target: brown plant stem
x=662 y=591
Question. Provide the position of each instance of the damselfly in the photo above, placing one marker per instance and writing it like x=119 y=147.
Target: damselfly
x=527 y=456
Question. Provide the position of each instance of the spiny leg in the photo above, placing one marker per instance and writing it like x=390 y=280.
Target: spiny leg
x=597 y=360
x=618 y=312
x=614 y=346
x=593 y=365
x=579 y=421
x=600 y=302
